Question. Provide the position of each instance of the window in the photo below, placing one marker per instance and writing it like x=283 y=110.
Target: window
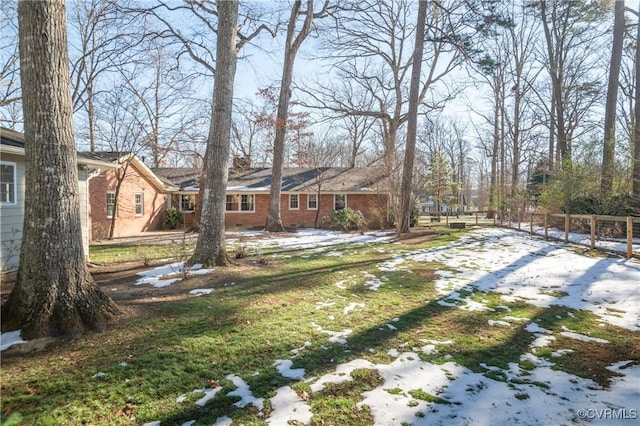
x=294 y=202
x=188 y=202
x=139 y=200
x=246 y=205
x=242 y=203
x=111 y=204
x=312 y=201
x=7 y=183
x=232 y=203
x=339 y=201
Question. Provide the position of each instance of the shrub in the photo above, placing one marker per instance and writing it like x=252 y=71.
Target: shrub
x=621 y=205
x=583 y=205
x=172 y=218
x=348 y=219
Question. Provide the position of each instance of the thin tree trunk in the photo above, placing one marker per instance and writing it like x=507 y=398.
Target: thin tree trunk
x=121 y=175
x=406 y=197
x=493 y=181
x=636 y=131
x=608 y=151
x=91 y=117
x=54 y=293
x=274 y=219
x=210 y=248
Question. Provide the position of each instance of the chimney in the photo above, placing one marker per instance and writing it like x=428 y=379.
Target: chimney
x=241 y=163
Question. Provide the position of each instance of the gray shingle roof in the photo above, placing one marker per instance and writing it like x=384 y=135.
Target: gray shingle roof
x=330 y=179
x=185 y=178
x=16 y=140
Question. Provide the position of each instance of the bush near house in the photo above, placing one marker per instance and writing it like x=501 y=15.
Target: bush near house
x=348 y=219
x=172 y=218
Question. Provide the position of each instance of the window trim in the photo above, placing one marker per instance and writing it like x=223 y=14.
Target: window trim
x=115 y=207
x=297 y=198
x=334 y=201
x=13 y=193
x=136 y=204
x=240 y=203
x=315 y=196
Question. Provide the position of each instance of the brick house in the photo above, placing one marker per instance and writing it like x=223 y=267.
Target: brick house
x=186 y=181
x=308 y=194
x=141 y=199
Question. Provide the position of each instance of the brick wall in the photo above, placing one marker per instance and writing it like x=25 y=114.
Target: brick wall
x=127 y=222
x=372 y=206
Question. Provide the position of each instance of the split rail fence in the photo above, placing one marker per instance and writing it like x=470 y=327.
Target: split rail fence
x=609 y=233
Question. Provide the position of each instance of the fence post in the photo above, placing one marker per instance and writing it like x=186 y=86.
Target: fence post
x=629 y=237
x=531 y=224
x=546 y=226
x=476 y=218
x=593 y=232
x=447 y=219
x=567 y=224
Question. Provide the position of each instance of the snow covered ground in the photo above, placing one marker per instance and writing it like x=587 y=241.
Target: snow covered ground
x=517 y=267
x=502 y=261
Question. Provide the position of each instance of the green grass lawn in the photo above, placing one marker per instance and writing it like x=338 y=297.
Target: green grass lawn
x=109 y=254
x=134 y=372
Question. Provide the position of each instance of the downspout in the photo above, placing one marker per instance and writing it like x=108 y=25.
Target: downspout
x=91 y=173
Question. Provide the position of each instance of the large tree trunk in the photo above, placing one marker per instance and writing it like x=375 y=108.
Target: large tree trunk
x=406 y=196
x=210 y=249
x=274 y=219
x=636 y=129
x=54 y=293
x=608 y=151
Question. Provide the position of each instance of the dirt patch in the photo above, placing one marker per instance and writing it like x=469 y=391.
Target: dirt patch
x=119 y=282
x=416 y=236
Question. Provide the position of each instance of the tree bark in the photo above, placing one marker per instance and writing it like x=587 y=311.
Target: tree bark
x=210 y=248
x=406 y=196
x=54 y=293
x=293 y=43
x=608 y=151
x=636 y=131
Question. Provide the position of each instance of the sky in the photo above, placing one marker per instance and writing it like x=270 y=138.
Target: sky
x=496 y=260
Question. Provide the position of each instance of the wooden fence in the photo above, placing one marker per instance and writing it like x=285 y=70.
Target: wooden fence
x=598 y=228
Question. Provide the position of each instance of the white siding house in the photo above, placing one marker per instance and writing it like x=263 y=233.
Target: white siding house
x=12 y=190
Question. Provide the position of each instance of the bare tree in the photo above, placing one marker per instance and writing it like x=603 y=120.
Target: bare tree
x=569 y=36
x=164 y=94
x=636 y=115
x=406 y=195
x=119 y=128
x=102 y=43
x=321 y=153
x=221 y=19
x=10 y=96
x=210 y=248
x=293 y=43
x=372 y=47
x=625 y=122
x=608 y=151
x=245 y=131
x=511 y=72
x=54 y=293
x=358 y=131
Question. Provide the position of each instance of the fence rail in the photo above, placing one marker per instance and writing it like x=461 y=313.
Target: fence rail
x=610 y=233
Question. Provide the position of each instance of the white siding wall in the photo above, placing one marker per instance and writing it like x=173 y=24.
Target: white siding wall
x=83 y=183
x=11 y=217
